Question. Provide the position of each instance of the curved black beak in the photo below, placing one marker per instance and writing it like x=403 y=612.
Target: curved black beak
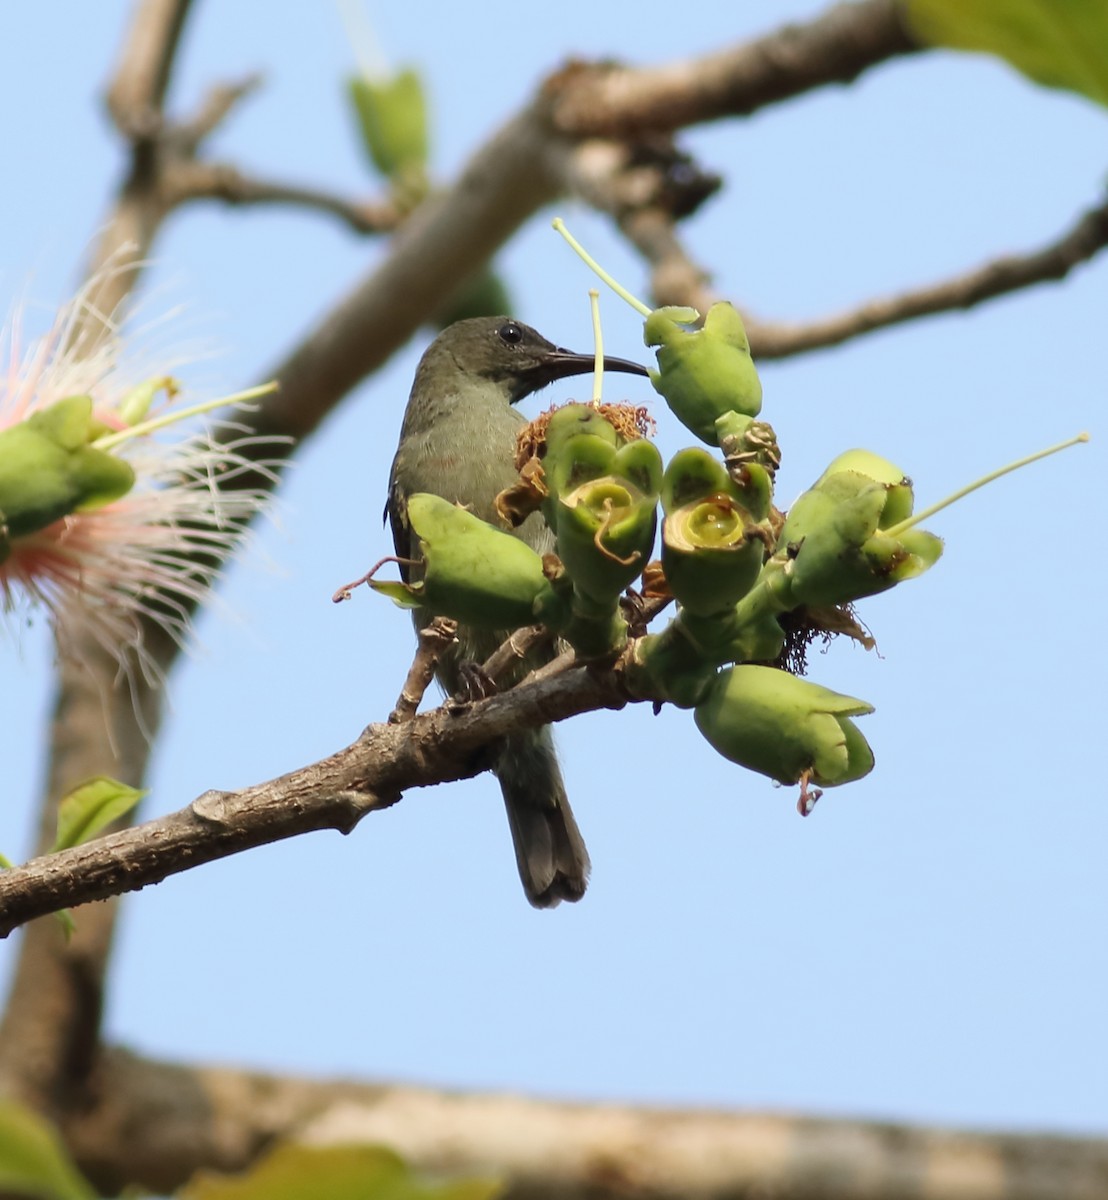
x=559 y=363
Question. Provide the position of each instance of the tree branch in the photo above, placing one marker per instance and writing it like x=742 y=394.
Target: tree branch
x=189 y=180
x=51 y=1024
x=431 y=642
x=1078 y=244
x=216 y=107
x=444 y=744
x=835 y=47
x=161 y=1122
x=136 y=95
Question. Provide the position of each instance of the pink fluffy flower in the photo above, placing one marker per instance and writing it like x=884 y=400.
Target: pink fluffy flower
x=106 y=569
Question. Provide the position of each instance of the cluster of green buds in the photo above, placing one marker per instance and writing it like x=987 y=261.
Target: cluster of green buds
x=734 y=564
x=734 y=568
x=596 y=481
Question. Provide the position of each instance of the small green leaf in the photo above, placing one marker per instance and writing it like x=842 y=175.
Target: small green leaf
x=33 y=1162
x=1058 y=43
x=351 y=1172
x=90 y=807
x=392 y=115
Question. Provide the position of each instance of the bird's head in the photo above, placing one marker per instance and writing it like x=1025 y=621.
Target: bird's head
x=512 y=355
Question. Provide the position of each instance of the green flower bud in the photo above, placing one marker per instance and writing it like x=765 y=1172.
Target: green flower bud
x=392 y=115
x=712 y=549
x=472 y=572
x=874 y=469
x=579 y=445
x=602 y=501
x=605 y=533
x=48 y=469
x=785 y=727
x=832 y=542
x=704 y=373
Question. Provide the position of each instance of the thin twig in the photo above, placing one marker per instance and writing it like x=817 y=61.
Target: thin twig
x=514 y=649
x=1078 y=244
x=189 y=180
x=215 y=108
x=432 y=641
x=556 y=666
x=674 y=277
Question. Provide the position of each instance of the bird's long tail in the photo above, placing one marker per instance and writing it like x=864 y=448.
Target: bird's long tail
x=550 y=852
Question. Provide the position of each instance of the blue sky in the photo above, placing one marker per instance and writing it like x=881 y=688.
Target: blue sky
x=929 y=945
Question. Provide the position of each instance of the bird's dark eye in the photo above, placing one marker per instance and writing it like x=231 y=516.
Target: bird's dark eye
x=511 y=333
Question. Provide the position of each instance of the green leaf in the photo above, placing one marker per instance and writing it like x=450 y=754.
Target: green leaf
x=1058 y=43
x=337 y=1172
x=33 y=1162
x=90 y=807
x=392 y=115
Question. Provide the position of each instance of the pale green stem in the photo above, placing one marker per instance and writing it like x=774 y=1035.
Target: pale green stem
x=594 y=266
x=371 y=58
x=598 y=342
x=910 y=522
x=110 y=440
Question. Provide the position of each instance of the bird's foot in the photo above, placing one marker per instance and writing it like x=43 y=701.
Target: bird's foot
x=474 y=683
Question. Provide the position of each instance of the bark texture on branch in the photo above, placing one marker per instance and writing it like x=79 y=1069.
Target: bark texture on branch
x=835 y=47
x=445 y=744
x=160 y=1122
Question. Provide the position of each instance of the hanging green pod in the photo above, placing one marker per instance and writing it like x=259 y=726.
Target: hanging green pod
x=787 y=728
x=703 y=373
x=472 y=572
